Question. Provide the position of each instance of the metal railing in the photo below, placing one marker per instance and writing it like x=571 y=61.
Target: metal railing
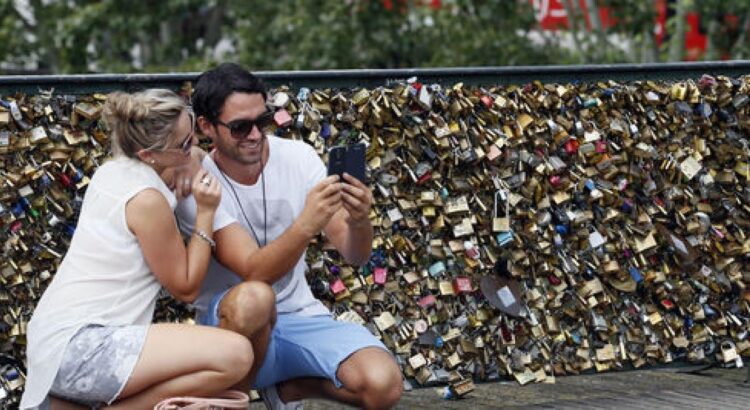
x=92 y=83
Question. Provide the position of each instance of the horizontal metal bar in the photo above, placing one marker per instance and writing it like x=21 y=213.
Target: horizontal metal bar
x=90 y=83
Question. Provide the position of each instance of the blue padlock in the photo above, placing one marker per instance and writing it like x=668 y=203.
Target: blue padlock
x=45 y=181
x=70 y=229
x=561 y=229
x=303 y=94
x=504 y=238
x=437 y=269
x=635 y=274
x=77 y=175
x=590 y=185
x=439 y=342
x=325 y=130
x=444 y=193
x=627 y=206
x=17 y=209
x=709 y=311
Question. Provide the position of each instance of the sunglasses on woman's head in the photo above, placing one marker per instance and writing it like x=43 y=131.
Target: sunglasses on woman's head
x=187 y=144
x=239 y=129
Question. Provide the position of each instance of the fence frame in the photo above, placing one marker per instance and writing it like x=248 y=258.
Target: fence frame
x=102 y=83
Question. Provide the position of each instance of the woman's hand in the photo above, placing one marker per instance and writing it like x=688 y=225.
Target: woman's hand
x=180 y=179
x=206 y=190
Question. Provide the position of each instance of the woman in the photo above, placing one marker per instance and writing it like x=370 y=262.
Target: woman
x=91 y=340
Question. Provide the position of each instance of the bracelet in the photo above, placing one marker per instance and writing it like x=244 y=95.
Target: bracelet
x=206 y=238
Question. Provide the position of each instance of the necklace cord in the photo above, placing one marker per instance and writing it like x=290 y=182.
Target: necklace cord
x=239 y=203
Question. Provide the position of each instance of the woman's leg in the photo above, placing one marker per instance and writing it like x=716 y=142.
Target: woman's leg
x=179 y=360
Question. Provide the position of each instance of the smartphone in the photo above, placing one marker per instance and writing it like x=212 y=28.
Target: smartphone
x=349 y=159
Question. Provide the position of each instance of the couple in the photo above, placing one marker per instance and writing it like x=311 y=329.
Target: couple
x=255 y=204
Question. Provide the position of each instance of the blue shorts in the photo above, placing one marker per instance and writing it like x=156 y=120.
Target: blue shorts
x=304 y=346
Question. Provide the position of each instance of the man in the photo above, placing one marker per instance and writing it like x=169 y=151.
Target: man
x=276 y=198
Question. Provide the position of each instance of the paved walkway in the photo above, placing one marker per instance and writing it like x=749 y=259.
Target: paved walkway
x=672 y=388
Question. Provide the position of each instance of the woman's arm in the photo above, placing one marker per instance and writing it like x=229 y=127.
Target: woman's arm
x=180 y=269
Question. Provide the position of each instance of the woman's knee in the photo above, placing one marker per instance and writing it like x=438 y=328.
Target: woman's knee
x=236 y=355
x=248 y=307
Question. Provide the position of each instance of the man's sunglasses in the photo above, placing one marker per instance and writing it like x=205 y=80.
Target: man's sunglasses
x=239 y=129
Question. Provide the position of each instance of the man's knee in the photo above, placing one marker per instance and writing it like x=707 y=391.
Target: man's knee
x=374 y=376
x=248 y=307
x=384 y=385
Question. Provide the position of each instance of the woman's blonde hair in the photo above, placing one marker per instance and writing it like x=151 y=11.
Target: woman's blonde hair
x=142 y=120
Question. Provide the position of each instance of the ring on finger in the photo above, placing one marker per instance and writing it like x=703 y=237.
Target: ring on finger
x=206 y=180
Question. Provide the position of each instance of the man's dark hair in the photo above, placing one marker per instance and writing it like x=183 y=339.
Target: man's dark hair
x=214 y=86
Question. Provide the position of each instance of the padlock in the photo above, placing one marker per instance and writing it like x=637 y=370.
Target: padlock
x=501 y=213
x=282 y=118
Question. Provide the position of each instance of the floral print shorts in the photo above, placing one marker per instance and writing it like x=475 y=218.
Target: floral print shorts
x=97 y=364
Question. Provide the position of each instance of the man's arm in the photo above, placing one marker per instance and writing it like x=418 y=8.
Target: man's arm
x=350 y=230
x=239 y=252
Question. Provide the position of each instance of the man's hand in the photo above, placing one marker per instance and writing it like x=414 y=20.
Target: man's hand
x=357 y=200
x=322 y=202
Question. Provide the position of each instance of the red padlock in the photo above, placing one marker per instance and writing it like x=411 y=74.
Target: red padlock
x=667 y=304
x=471 y=250
x=462 y=284
x=506 y=333
x=555 y=180
x=601 y=146
x=571 y=146
x=424 y=178
x=16 y=226
x=65 y=180
x=487 y=101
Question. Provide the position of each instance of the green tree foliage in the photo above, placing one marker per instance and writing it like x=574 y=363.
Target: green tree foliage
x=289 y=34
x=726 y=22
x=78 y=36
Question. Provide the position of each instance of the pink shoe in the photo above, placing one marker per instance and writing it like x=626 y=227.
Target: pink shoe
x=230 y=399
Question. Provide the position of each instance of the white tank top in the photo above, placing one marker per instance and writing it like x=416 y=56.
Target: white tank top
x=103 y=279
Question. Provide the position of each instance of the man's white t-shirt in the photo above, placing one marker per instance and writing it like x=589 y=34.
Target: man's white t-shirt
x=293 y=168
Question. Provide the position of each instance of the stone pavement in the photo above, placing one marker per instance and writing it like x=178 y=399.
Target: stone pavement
x=667 y=388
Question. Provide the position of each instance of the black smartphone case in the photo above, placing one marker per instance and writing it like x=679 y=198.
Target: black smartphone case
x=349 y=159
x=337 y=160
x=355 y=162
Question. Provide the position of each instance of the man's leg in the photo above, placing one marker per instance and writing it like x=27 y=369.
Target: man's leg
x=320 y=357
x=371 y=379
x=250 y=310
